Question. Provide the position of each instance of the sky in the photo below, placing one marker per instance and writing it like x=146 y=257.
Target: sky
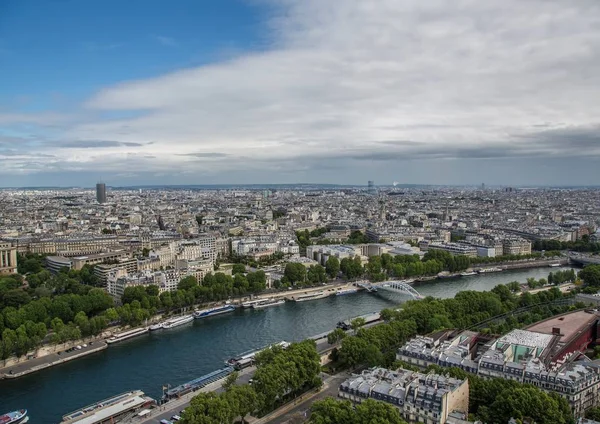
x=501 y=92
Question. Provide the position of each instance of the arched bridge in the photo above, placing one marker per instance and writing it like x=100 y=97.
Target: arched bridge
x=399 y=287
x=584 y=260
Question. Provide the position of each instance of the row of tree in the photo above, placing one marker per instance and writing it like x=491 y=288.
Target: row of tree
x=583 y=245
x=281 y=374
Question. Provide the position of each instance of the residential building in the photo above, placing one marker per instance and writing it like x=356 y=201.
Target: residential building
x=421 y=398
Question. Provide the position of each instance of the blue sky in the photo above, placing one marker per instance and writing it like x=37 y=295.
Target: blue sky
x=264 y=91
x=58 y=52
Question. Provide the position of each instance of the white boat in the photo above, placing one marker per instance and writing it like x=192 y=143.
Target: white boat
x=267 y=303
x=251 y=303
x=127 y=335
x=554 y=265
x=158 y=326
x=467 y=274
x=486 y=270
x=343 y=292
x=311 y=296
x=176 y=322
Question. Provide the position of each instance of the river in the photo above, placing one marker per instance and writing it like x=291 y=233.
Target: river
x=181 y=354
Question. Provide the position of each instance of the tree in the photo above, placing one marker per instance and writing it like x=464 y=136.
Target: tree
x=243 y=400
x=187 y=283
x=336 y=335
x=316 y=274
x=332 y=266
x=332 y=411
x=230 y=380
x=295 y=272
x=590 y=275
x=238 y=269
x=356 y=323
x=208 y=408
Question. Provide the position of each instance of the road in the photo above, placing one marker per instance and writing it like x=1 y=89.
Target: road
x=300 y=412
x=51 y=359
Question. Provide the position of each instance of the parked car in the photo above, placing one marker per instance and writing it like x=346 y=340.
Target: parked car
x=175 y=418
x=165 y=421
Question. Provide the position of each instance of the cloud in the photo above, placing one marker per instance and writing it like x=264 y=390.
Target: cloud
x=166 y=41
x=380 y=81
x=97 y=144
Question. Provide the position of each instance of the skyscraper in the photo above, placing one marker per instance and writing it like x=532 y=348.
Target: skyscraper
x=101 y=192
x=371 y=187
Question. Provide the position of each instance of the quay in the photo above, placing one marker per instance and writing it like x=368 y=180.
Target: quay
x=37 y=364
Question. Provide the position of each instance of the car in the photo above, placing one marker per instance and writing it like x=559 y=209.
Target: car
x=78 y=347
x=165 y=421
x=175 y=418
x=84 y=345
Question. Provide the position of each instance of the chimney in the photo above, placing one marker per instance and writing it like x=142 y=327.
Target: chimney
x=556 y=331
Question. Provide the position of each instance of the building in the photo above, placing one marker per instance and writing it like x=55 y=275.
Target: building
x=8 y=258
x=454 y=248
x=545 y=358
x=101 y=193
x=421 y=398
x=56 y=263
x=102 y=271
x=323 y=252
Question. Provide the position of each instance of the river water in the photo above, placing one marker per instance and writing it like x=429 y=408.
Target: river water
x=192 y=350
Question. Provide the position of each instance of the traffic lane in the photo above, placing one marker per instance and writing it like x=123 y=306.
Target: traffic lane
x=302 y=410
x=52 y=358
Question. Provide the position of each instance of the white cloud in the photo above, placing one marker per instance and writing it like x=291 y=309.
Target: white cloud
x=353 y=78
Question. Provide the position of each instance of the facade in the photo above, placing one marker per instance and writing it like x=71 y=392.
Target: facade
x=421 y=398
x=322 y=253
x=56 y=263
x=103 y=271
x=454 y=248
x=101 y=193
x=8 y=258
x=528 y=357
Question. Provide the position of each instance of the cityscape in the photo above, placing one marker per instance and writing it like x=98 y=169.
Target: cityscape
x=287 y=212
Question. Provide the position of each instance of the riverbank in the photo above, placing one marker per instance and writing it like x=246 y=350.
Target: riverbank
x=29 y=366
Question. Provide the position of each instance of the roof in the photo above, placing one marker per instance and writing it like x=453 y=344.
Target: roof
x=570 y=324
x=526 y=338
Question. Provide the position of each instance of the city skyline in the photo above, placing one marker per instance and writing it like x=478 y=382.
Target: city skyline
x=300 y=92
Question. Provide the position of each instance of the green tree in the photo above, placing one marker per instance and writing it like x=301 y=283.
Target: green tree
x=208 y=408
x=187 y=283
x=295 y=272
x=238 y=269
x=590 y=275
x=356 y=323
x=242 y=399
x=332 y=411
x=230 y=380
x=332 y=266
x=336 y=335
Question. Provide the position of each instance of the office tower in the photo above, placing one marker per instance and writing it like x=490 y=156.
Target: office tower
x=101 y=192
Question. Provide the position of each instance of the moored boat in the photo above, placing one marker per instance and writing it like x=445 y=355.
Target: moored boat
x=251 y=303
x=158 y=326
x=14 y=417
x=176 y=322
x=486 y=270
x=343 y=292
x=311 y=296
x=119 y=337
x=205 y=313
x=467 y=274
x=267 y=303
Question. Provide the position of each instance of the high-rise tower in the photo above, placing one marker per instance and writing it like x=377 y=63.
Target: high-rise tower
x=101 y=192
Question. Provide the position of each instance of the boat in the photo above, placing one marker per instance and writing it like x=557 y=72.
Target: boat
x=119 y=337
x=246 y=357
x=343 y=292
x=205 y=313
x=14 y=417
x=196 y=384
x=467 y=274
x=554 y=265
x=310 y=296
x=110 y=410
x=158 y=326
x=267 y=303
x=486 y=270
x=251 y=303
x=176 y=322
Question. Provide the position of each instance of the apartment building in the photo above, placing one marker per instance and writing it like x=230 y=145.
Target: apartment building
x=8 y=258
x=421 y=398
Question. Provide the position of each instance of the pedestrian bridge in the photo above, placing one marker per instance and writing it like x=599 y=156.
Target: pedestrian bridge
x=399 y=287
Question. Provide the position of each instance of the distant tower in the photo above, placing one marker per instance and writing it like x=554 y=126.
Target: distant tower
x=101 y=192
x=482 y=186
x=371 y=187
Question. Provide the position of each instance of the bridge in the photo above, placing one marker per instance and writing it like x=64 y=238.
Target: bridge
x=584 y=260
x=399 y=287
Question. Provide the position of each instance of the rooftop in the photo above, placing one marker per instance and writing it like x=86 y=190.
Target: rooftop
x=570 y=325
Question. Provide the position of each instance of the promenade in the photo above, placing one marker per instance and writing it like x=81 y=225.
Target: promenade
x=29 y=366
